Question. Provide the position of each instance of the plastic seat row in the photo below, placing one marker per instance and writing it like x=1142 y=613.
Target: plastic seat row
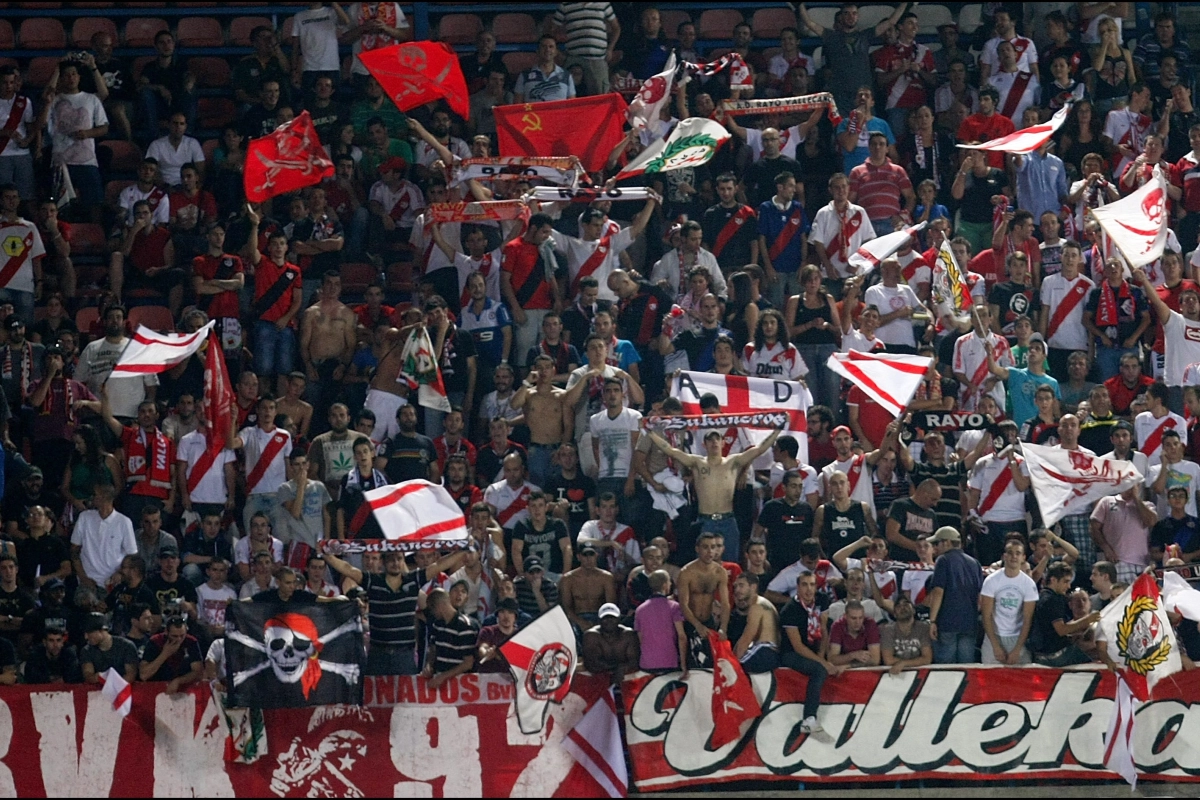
x=48 y=33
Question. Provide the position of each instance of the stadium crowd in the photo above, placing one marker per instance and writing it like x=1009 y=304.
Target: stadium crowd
x=863 y=541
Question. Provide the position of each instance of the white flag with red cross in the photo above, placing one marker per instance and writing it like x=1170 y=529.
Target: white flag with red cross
x=542 y=660
x=871 y=253
x=780 y=401
x=150 y=352
x=1025 y=140
x=889 y=379
x=419 y=514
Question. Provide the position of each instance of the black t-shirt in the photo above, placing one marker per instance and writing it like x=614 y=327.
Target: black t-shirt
x=16 y=504
x=546 y=544
x=41 y=669
x=300 y=597
x=18 y=603
x=457 y=349
x=46 y=616
x=1043 y=638
x=171 y=76
x=577 y=323
x=328 y=120
x=576 y=492
x=43 y=555
x=794 y=615
x=786 y=526
x=195 y=544
x=118 y=656
x=840 y=528
x=1013 y=300
x=179 y=664
x=309 y=230
x=949 y=477
x=168 y=592
x=1184 y=532
x=914 y=521
x=409 y=457
x=122 y=597
x=737 y=248
x=760 y=177
x=118 y=77
x=489 y=463
x=976 y=203
x=350 y=500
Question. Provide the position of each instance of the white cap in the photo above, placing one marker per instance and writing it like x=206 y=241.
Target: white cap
x=609 y=610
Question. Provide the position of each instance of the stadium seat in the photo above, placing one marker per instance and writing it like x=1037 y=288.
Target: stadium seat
x=357 y=277
x=112 y=191
x=970 y=17
x=768 y=22
x=156 y=318
x=931 y=17
x=40 y=70
x=717 y=52
x=8 y=62
x=139 y=64
x=85 y=27
x=47 y=4
x=515 y=29
x=459 y=28
x=823 y=16
x=200 y=32
x=215 y=112
x=85 y=316
x=400 y=277
x=671 y=20
x=8 y=40
x=125 y=156
x=87 y=239
x=240 y=28
x=516 y=63
x=718 y=23
x=870 y=16
x=140 y=31
x=42 y=33
x=211 y=71
x=209 y=146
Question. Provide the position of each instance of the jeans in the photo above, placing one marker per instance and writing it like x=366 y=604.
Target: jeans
x=89 y=187
x=785 y=285
x=19 y=170
x=154 y=108
x=541 y=458
x=274 y=349
x=256 y=503
x=356 y=234
x=726 y=527
x=823 y=382
x=1066 y=657
x=433 y=417
x=883 y=226
x=391 y=659
x=953 y=647
x=1108 y=361
x=816 y=679
x=22 y=303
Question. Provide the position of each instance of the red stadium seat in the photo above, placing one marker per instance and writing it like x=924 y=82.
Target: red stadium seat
x=215 y=112
x=211 y=72
x=209 y=146
x=42 y=33
x=515 y=29
x=357 y=277
x=156 y=318
x=671 y=20
x=241 y=27
x=459 y=28
x=718 y=23
x=516 y=63
x=140 y=31
x=126 y=156
x=768 y=22
x=40 y=70
x=8 y=40
x=112 y=191
x=85 y=316
x=85 y=27
x=200 y=32
x=87 y=239
x=47 y=4
x=400 y=277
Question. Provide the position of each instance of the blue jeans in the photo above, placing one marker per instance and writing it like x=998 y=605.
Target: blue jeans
x=954 y=648
x=1108 y=360
x=883 y=226
x=541 y=462
x=823 y=382
x=154 y=108
x=390 y=659
x=19 y=170
x=816 y=678
x=728 y=528
x=356 y=233
x=22 y=303
x=274 y=349
x=433 y=417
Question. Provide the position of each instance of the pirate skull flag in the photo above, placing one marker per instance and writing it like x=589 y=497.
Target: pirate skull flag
x=287 y=655
x=416 y=73
x=290 y=158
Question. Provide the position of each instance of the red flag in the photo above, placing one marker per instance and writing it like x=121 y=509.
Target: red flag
x=218 y=397
x=416 y=73
x=587 y=127
x=733 y=702
x=288 y=159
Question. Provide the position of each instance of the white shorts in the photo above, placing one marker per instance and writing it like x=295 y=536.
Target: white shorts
x=385 y=405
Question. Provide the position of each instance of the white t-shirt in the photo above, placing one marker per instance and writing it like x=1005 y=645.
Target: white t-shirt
x=811 y=484
x=579 y=251
x=426 y=155
x=160 y=205
x=488 y=263
x=774 y=361
x=616 y=559
x=1147 y=430
x=211 y=488
x=780 y=65
x=969 y=355
x=861 y=491
x=501 y=497
x=10 y=148
x=171 y=158
x=255 y=441
x=241 y=552
x=428 y=253
x=1185 y=473
x=1070 y=334
x=402 y=205
x=838 y=610
x=1005 y=82
x=1128 y=128
x=1181 y=339
x=1010 y=596
x=75 y=112
x=20 y=240
x=1010 y=505
x=316 y=28
x=371 y=41
x=211 y=603
x=855 y=340
x=827 y=226
x=104 y=543
x=789 y=140
x=887 y=300
x=785 y=581
x=124 y=394
x=616 y=444
x=1027 y=59
x=251 y=588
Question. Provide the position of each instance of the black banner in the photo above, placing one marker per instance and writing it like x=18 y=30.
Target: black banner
x=287 y=655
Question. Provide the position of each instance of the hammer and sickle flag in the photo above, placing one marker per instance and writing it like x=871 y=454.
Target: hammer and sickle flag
x=416 y=73
x=587 y=127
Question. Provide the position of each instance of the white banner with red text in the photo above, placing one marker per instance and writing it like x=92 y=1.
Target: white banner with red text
x=461 y=740
x=965 y=723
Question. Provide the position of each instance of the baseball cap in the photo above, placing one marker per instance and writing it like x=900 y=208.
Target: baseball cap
x=168 y=551
x=176 y=621
x=945 y=534
x=1037 y=337
x=508 y=604
x=95 y=622
x=587 y=550
x=841 y=429
x=14 y=322
x=609 y=610
x=533 y=562
x=52 y=584
x=34 y=472
x=395 y=163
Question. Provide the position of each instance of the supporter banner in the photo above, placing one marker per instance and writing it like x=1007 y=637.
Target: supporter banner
x=739 y=395
x=769 y=420
x=977 y=723
x=479 y=211
x=590 y=194
x=416 y=73
x=692 y=143
x=781 y=105
x=563 y=171
x=1137 y=224
x=950 y=421
x=407 y=741
x=150 y=352
x=587 y=127
x=418 y=514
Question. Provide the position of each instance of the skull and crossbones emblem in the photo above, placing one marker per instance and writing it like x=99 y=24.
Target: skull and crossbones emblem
x=293 y=650
x=294 y=151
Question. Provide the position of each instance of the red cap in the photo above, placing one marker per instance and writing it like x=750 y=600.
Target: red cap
x=395 y=163
x=841 y=429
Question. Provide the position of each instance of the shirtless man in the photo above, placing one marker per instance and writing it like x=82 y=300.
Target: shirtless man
x=702 y=583
x=327 y=341
x=757 y=647
x=291 y=403
x=610 y=646
x=386 y=393
x=716 y=478
x=662 y=544
x=550 y=418
x=584 y=589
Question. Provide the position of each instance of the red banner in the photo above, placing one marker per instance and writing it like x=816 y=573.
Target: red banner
x=417 y=73
x=587 y=127
x=290 y=158
x=405 y=741
x=978 y=723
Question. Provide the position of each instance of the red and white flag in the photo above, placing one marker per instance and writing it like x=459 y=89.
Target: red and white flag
x=1139 y=637
x=542 y=660
x=1179 y=596
x=693 y=142
x=1118 y=740
x=416 y=73
x=1137 y=224
x=419 y=368
x=418 y=513
x=739 y=394
x=655 y=93
x=867 y=257
x=595 y=743
x=218 y=397
x=734 y=703
x=289 y=158
x=117 y=691
x=1025 y=140
x=889 y=379
x=150 y=352
x=1066 y=482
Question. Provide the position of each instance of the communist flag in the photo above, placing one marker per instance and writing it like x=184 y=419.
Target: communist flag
x=288 y=159
x=416 y=73
x=587 y=127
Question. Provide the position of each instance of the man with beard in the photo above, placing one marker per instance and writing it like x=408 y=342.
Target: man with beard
x=753 y=626
x=149 y=457
x=456 y=480
x=97 y=360
x=42 y=556
x=331 y=455
x=905 y=644
x=327 y=343
x=573 y=492
x=439 y=126
x=409 y=455
x=641 y=308
x=171 y=589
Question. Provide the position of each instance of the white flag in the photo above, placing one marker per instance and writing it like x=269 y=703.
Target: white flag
x=890 y=380
x=542 y=660
x=739 y=394
x=595 y=742
x=1118 y=740
x=1025 y=140
x=1137 y=224
x=1179 y=596
x=1139 y=637
x=150 y=352
x=1066 y=482
x=420 y=370
x=645 y=108
x=117 y=691
x=693 y=142
x=867 y=257
x=419 y=513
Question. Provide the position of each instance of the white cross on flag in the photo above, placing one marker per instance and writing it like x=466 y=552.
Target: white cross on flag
x=1137 y=224
x=542 y=660
x=117 y=691
x=150 y=352
x=739 y=394
x=889 y=379
x=1025 y=140
x=867 y=257
x=1066 y=482
x=418 y=513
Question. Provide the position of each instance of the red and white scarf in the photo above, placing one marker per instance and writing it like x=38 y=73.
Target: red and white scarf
x=68 y=400
x=1108 y=314
x=26 y=366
